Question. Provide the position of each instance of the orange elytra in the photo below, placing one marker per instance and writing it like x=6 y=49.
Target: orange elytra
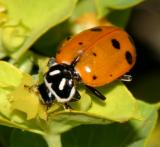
x=105 y=54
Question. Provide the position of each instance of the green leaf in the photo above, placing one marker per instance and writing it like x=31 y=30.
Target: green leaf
x=119 y=17
x=24 y=99
x=25 y=64
x=119 y=99
x=98 y=112
x=154 y=138
x=47 y=44
x=10 y=76
x=3 y=13
x=117 y=12
x=134 y=133
x=121 y=4
x=84 y=103
x=83 y=7
x=105 y=6
x=5 y=133
x=3 y=19
x=16 y=100
x=25 y=139
x=29 y=20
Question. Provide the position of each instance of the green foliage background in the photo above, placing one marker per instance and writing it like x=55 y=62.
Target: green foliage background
x=30 y=31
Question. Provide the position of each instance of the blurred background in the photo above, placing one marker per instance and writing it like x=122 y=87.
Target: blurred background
x=144 y=27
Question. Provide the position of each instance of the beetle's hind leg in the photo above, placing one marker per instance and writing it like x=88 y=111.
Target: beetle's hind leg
x=67 y=106
x=96 y=92
x=126 y=78
x=32 y=88
x=74 y=99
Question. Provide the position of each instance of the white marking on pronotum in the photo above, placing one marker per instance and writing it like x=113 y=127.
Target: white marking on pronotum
x=59 y=99
x=50 y=94
x=62 y=84
x=55 y=72
x=70 y=82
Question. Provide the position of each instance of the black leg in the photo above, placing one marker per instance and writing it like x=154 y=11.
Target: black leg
x=96 y=92
x=76 y=97
x=67 y=107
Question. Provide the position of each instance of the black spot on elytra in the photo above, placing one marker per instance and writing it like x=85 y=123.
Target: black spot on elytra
x=94 y=77
x=128 y=57
x=96 y=29
x=110 y=75
x=80 y=43
x=115 y=43
x=94 y=54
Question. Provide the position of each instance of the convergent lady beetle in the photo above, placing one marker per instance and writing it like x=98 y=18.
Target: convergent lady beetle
x=94 y=57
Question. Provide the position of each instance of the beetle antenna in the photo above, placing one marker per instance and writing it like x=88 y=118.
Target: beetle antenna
x=75 y=61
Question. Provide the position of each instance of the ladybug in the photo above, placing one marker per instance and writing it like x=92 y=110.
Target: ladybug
x=94 y=57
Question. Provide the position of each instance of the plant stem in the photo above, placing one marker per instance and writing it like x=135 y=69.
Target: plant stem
x=53 y=140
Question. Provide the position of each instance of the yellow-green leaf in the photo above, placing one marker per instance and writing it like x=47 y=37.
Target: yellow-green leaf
x=28 y=20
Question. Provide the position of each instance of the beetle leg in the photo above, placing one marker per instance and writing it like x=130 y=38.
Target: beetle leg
x=126 y=78
x=96 y=92
x=67 y=106
x=76 y=97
